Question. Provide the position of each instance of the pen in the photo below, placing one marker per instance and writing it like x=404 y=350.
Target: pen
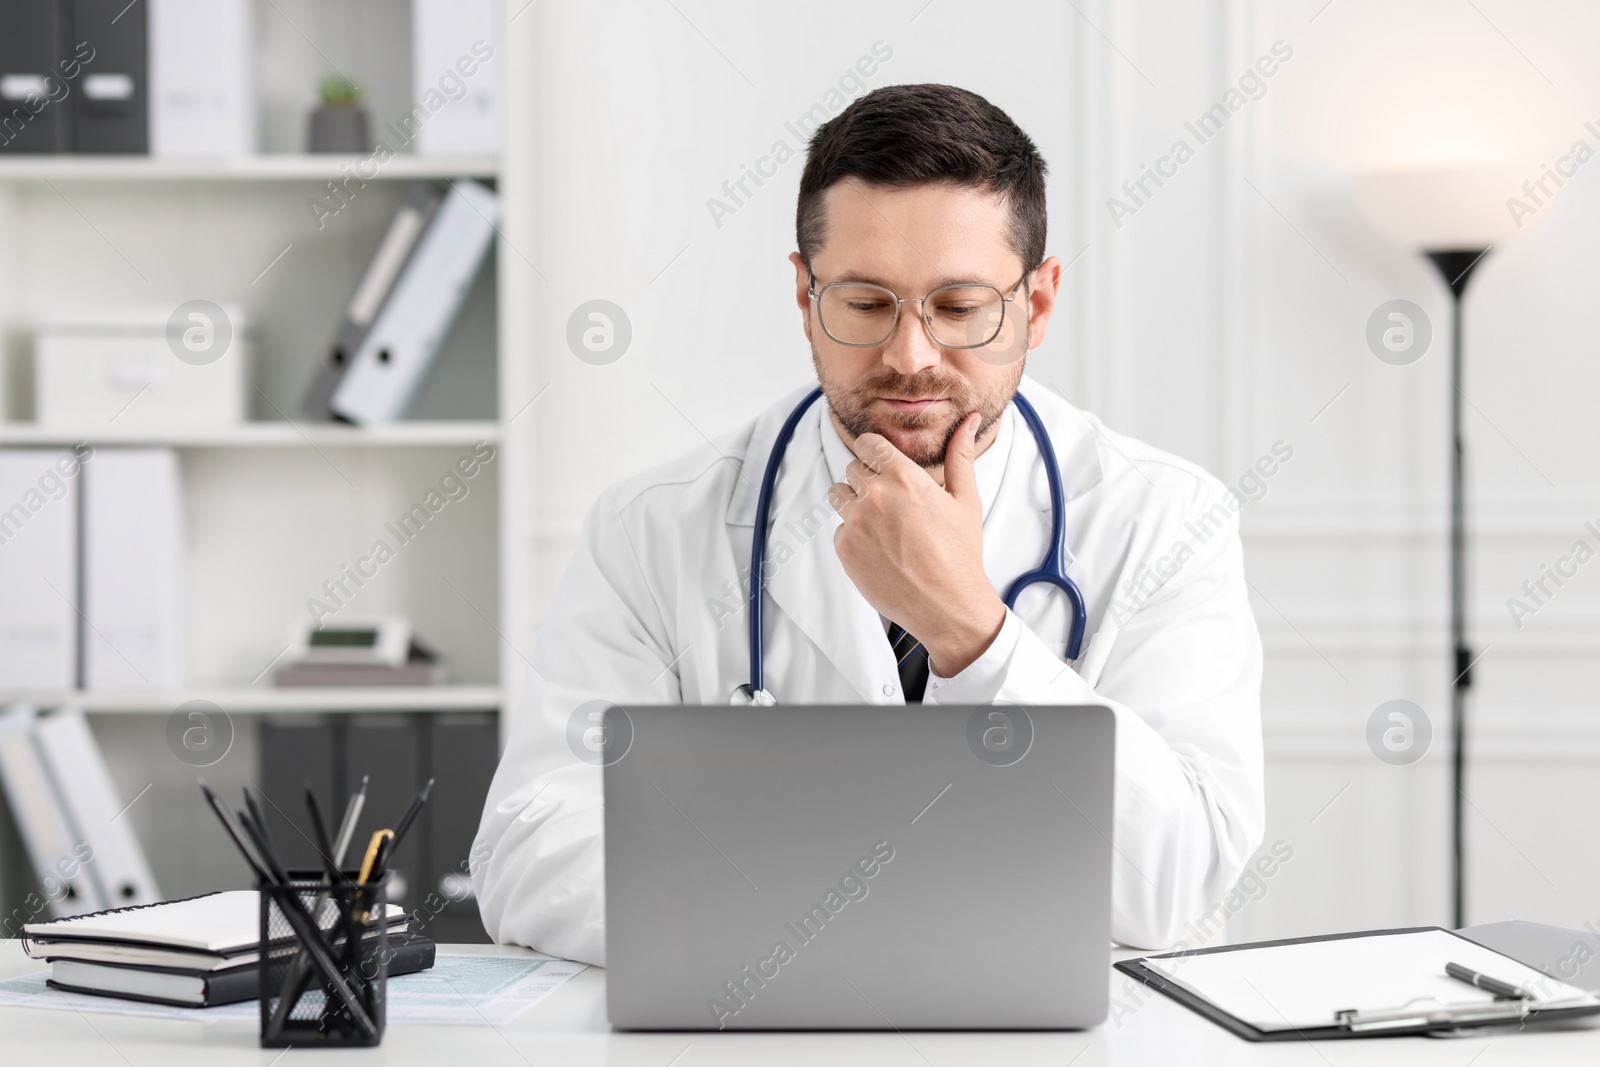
x=258 y=837
x=269 y=846
x=1489 y=985
x=380 y=862
x=324 y=849
x=372 y=866
x=412 y=812
x=347 y=828
x=294 y=981
x=233 y=831
x=376 y=847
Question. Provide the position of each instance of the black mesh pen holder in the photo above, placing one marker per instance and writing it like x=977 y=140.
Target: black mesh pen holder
x=324 y=962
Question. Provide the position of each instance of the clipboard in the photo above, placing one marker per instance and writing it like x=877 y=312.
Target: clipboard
x=1420 y=1016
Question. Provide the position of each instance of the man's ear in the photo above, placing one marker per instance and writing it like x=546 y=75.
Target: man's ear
x=802 y=290
x=1043 y=289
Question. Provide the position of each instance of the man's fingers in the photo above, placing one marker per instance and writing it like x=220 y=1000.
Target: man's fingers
x=960 y=480
x=876 y=451
x=840 y=496
x=859 y=475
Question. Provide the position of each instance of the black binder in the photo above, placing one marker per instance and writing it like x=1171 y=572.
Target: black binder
x=33 y=46
x=465 y=750
x=1349 y=1024
x=400 y=751
x=111 y=99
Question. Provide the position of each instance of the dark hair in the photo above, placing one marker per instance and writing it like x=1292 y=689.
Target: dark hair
x=904 y=135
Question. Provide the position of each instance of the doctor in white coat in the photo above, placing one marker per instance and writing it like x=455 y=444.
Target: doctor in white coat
x=910 y=493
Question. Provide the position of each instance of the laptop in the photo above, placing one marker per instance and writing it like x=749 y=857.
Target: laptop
x=858 y=867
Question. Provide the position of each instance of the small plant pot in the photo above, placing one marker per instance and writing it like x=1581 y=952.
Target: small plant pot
x=339 y=129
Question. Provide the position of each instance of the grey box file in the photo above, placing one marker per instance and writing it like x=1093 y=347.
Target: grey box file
x=111 y=102
x=34 y=43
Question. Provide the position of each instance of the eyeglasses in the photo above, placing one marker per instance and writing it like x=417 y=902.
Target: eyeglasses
x=959 y=315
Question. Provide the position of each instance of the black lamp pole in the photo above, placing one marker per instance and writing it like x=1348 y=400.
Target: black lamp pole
x=1456 y=266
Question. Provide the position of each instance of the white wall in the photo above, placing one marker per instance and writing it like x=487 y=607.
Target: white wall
x=640 y=120
x=1220 y=317
x=1349 y=546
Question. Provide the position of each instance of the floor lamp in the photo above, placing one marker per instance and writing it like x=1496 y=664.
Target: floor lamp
x=1456 y=266
x=1454 y=217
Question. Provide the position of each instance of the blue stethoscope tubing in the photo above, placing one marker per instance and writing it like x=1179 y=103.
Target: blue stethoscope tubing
x=1052 y=570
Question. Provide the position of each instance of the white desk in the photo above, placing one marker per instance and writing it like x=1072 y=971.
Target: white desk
x=570 y=1028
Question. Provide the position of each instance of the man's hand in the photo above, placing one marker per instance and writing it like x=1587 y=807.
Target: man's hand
x=915 y=548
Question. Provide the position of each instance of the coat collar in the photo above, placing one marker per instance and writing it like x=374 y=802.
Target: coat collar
x=803 y=575
x=1072 y=432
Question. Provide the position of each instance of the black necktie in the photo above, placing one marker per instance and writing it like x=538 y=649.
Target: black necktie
x=911 y=660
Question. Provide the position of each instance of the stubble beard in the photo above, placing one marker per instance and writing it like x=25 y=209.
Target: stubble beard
x=922 y=436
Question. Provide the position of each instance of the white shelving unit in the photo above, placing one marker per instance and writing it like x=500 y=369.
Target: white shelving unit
x=250 y=168
x=259 y=434
x=247 y=700
x=275 y=508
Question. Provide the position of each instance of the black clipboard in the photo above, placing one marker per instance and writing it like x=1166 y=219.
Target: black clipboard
x=1201 y=1006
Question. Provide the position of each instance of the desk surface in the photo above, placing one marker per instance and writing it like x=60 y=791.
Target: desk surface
x=570 y=1028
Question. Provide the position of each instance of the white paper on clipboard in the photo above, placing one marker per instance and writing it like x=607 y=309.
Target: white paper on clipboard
x=1305 y=984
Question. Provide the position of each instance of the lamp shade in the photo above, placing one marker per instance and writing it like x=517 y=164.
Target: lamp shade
x=1448 y=208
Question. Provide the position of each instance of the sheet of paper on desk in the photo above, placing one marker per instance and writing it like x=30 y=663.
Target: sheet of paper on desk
x=1295 y=986
x=477 y=990
x=458 y=990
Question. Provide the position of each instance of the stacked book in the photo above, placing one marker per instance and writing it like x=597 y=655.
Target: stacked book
x=198 y=952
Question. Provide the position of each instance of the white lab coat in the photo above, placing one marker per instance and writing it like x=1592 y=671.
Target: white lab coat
x=651 y=610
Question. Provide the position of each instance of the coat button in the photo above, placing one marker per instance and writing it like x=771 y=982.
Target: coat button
x=888 y=690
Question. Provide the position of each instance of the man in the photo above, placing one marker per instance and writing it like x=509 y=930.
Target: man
x=904 y=502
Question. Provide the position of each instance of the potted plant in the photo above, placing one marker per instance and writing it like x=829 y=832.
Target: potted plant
x=340 y=123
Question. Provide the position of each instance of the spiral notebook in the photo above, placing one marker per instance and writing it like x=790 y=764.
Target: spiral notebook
x=1368 y=984
x=207 y=932
x=206 y=987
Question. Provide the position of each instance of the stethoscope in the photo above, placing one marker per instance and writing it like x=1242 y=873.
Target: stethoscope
x=1051 y=570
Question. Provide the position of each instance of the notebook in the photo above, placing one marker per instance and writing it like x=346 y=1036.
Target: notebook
x=1360 y=984
x=198 y=933
x=205 y=988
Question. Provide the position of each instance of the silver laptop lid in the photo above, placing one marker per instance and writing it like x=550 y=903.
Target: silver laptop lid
x=858 y=867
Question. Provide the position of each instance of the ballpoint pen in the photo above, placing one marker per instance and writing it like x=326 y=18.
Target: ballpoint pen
x=245 y=850
x=1503 y=990
x=261 y=821
x=324 y=848
x=376 y=849
x=372 y=865
x=411 y=813
x=258 y=837
x=347 y=827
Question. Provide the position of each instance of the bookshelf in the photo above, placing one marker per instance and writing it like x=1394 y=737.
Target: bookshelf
x=262 y=168
x=275 y=506
x=247 y=700
x=258 y=434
